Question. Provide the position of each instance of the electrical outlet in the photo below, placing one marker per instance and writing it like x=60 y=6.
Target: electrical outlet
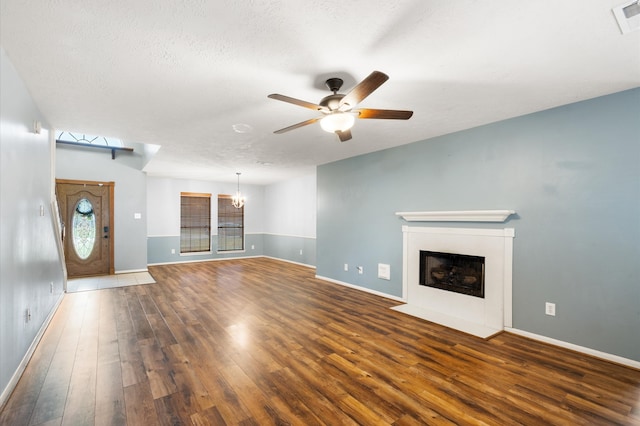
x=27 y=315
x=360 y=270
x=173 y=251
x=300 y=252
x=550 y=309
x=346 y=267
x=253 y=247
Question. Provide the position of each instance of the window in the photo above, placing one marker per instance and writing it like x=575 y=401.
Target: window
x=89 y=139
x=195 y=222
x=230 y=225
x=83 y=229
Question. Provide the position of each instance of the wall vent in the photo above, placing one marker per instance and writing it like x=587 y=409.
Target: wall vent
x=628 y=16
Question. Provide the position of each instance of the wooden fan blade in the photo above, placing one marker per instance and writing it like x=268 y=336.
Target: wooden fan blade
x=295 y=126
x=391 y=114
x=344 y=135
x=364 y=89
x=298 y=102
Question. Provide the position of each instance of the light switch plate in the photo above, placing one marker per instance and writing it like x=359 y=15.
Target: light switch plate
x=384 y=271
x=550 y=309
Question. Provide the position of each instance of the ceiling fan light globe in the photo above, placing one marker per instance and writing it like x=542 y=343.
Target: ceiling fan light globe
x=337 y=122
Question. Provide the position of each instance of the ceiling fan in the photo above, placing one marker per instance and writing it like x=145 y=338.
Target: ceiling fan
x=338 y=113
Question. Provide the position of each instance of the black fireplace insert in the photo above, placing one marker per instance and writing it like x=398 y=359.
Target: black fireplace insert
x=459 y=273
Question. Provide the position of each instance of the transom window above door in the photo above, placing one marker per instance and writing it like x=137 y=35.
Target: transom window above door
x=76 y=137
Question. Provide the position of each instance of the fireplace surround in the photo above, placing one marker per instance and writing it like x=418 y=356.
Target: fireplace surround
x=480 y=316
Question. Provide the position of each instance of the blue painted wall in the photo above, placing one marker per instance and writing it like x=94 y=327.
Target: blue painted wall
x=294 y=249
x=159 y=250
x=572 y=174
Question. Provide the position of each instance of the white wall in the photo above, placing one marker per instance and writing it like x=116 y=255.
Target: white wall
x=31 y=274
x=163 y=204
x=284 y=208
x=290 y=207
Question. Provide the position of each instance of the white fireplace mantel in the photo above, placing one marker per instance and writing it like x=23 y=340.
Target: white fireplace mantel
x=457 y=216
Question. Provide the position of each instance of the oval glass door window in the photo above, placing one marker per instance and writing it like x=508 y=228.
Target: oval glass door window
x=83 y=229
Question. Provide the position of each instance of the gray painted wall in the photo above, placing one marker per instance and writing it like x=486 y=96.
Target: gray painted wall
x=571 y=173
x=130 y=195
x=29 y=257
x=294 y=249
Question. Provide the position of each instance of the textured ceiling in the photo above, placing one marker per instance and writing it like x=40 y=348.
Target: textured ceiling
x=181 y=74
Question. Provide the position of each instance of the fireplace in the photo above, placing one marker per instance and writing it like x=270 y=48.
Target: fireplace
x=485 y=258
x=459 y=273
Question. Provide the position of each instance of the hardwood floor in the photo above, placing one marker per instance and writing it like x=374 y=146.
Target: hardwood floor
x=258 y=341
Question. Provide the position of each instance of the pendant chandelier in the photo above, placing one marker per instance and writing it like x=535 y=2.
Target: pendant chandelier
x=238 y=200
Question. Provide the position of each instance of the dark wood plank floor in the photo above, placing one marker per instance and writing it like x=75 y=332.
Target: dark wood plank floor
x=258 y=341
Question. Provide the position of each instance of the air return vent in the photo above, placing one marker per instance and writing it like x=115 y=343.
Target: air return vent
x=628 y=16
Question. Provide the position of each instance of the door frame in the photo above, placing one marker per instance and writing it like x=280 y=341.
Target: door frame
x=110 y=186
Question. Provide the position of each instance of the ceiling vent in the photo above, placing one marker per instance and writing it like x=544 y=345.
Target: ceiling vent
x=628 y=16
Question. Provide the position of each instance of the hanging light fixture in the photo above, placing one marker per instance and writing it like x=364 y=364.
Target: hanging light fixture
x=238 y=200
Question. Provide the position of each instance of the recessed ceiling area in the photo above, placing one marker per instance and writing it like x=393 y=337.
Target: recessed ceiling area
x=193 y=76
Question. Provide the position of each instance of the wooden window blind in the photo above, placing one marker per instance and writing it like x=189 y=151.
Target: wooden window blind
x=230 y=225
x=195 y=222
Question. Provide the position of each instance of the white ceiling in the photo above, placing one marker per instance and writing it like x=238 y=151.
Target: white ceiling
x=181 y=73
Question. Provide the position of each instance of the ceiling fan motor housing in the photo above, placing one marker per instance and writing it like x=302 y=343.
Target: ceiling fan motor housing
x=334 y=84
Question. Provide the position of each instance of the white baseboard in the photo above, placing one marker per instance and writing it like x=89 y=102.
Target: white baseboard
x=366 y=290
x=6 y=392
x=131 y=271
x=290 y=261
x=231 y=258
x=203 y=260
x=598 y=354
